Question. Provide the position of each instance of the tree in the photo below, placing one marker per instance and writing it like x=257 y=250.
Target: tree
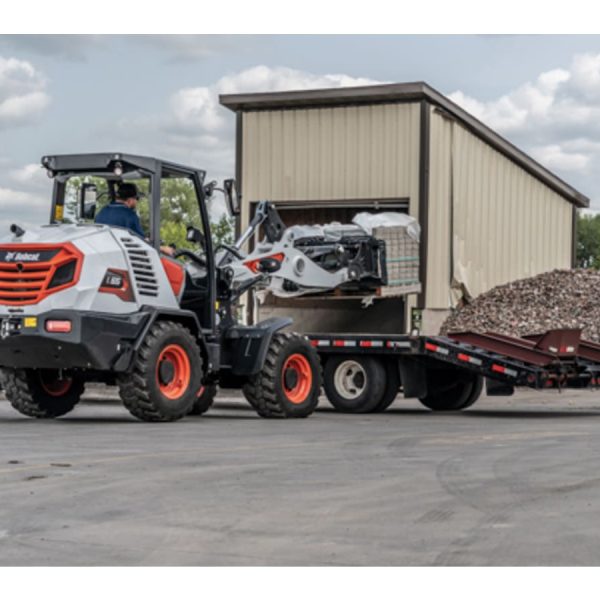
x=588 y=241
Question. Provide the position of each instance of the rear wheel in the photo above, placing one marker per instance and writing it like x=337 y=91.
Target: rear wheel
x=289 y=383
x=354 y=384
x=449 y=390
x=392 y=386
x=166 y=374
x=204 y=400
x=42 y=393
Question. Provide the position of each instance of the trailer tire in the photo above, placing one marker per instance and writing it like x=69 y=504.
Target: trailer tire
x=204 y=400
x=166 y=374
x=40 y=394
x=354 y=384
x=392 y=386
x=451 y=391
x=289 y=382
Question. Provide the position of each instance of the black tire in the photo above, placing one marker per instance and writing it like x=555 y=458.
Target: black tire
x=289 y=383
x=204 y=400
x=450 y=390
x=354 y=384
x=160 y=385
x=40 y=393
x=392 y=386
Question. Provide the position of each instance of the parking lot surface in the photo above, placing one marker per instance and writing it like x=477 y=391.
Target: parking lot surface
x=511 y=481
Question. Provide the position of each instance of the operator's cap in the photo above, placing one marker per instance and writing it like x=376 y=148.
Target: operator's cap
x=129 y=190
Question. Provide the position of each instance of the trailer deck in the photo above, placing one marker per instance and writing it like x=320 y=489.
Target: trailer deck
x=556 y=359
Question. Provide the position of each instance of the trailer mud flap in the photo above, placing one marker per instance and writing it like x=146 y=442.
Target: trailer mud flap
x=413 y=377
x=494 y=387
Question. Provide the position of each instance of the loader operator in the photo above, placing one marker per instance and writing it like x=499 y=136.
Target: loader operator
x=121 y=213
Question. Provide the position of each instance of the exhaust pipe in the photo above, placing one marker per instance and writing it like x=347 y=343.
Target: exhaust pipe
x=16 y=230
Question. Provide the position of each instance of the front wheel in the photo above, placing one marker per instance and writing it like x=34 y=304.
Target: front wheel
x=42 y=393
x=288 y=385
x=166 y=376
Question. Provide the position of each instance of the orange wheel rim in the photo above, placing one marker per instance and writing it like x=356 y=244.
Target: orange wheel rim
x=56 y=387
x=297 y=378
x=173 y=372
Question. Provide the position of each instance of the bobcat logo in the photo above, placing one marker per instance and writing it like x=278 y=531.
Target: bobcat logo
x=22 y=256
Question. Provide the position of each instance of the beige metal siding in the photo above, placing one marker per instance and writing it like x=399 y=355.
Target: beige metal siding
x=507 y=224
x=321 y=154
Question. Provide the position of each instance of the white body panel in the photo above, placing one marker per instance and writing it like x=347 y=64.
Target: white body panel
x=103 y=248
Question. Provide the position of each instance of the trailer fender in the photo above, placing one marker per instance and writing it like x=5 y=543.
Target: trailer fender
x=247 y=346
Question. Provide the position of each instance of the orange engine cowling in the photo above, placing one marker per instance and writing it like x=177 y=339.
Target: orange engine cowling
x=31 y=272
x=175 y=272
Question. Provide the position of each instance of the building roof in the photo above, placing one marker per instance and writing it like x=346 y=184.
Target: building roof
x=402 y=92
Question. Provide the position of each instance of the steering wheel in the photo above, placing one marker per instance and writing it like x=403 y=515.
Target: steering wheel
x=191 y=255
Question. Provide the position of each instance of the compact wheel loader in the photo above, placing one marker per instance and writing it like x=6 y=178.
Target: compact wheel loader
x=82 y=302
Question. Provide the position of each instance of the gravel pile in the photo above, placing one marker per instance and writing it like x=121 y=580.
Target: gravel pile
x=553 y=300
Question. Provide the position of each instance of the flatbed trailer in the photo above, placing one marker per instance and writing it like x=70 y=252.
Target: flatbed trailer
x=364 y=372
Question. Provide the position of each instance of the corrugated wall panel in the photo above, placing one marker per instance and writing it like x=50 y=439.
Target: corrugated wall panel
x=507 y=224
x=334 y=153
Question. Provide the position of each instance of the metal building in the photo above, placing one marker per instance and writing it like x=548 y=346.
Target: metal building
x=489 y=213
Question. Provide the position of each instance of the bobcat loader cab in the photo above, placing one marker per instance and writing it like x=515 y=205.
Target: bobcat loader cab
x=85 y=302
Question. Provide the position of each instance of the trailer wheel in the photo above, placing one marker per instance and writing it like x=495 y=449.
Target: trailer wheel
x=205 y=399
x=41 y=393
x=449 y=390
x=392 y=386
x=166 y=374
x=354 y=384
x=290 y=381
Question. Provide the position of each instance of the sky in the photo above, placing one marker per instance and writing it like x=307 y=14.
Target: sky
x=158 y=95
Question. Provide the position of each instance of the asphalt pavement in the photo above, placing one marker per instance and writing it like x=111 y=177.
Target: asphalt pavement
x=511 y=481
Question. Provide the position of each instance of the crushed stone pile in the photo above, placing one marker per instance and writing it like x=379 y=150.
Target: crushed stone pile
x=568 y=298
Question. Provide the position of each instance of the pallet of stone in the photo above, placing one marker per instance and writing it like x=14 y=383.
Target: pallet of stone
x=401 y=261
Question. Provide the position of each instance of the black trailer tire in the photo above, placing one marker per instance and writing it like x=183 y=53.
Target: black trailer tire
x=204 y=400
x=354 y=384
x=40 y=393
x=166 y=374
x=392 y=386
x=289 y=382
x=449 y=390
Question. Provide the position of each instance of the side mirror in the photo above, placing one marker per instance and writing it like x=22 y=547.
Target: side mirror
x=232 y=197
x=88 y=197
x=195 y=235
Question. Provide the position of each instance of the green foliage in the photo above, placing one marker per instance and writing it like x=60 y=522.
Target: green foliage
x=222 y=231
x=588 y=241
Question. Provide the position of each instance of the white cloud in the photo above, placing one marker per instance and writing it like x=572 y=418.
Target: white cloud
x=556 y=118
x=22 y=93
x=197 y=109
x=25 y=195
x=33 y=176
x=555 y=157
x=198 y=131
x=23 y=208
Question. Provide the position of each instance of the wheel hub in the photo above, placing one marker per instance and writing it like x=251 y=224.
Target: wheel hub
x=290 y=378
x=350 y=379
x=166 y=372
x=173 y=372
x=297 y=378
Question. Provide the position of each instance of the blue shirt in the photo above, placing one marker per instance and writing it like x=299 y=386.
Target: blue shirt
x=119 y=215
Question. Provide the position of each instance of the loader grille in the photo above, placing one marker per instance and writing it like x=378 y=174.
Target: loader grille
x=141 y=265
x=30 y=273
